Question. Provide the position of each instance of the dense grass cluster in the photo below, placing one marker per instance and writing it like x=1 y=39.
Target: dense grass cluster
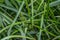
x=29 y=19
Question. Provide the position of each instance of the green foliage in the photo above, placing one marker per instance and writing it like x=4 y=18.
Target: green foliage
x=29 y=19
x=1 y=1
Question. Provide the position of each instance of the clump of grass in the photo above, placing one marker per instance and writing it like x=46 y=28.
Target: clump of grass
x=29 y=19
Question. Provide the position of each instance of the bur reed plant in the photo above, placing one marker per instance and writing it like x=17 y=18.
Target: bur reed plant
x=29 y=19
